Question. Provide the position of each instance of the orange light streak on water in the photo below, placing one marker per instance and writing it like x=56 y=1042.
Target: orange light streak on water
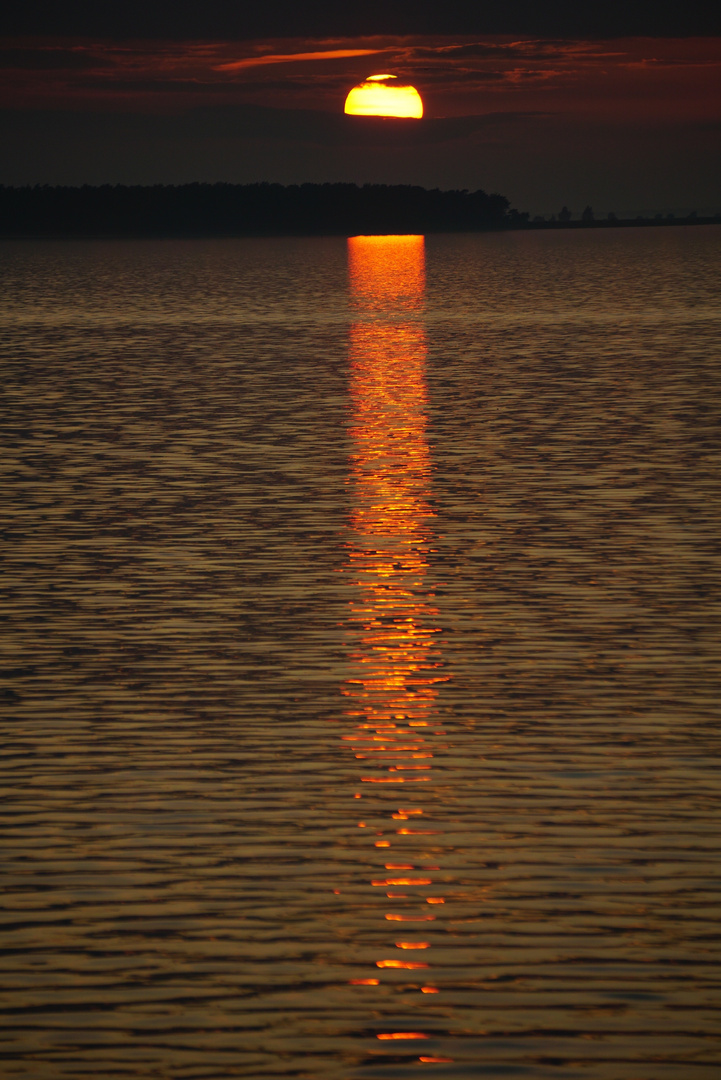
x=392 y=917
x=395 y=656
x=406 y=964
x=401 y=881
x=401 y=1035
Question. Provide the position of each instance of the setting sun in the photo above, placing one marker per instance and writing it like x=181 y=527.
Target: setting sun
x=382 y=95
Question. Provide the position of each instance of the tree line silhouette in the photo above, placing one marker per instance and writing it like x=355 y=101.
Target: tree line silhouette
x=274 y=209
x=247 y=209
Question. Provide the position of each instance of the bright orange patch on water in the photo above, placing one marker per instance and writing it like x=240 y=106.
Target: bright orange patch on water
x=410 y=964
x=402 y=1035
x=403 y=881
x=410 y=918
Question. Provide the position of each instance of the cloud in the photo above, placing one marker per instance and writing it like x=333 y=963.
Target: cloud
x=625 y=80
x=285 y=58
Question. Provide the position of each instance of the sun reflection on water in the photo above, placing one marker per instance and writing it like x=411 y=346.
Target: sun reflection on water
x=395 y=654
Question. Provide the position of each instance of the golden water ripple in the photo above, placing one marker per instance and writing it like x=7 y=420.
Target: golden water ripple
x=223 y=579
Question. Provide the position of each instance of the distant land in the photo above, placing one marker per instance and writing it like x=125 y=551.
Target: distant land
x=276 y=210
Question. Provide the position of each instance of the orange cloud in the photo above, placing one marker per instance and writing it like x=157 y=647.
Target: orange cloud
x=285 y=58
x=624 y=81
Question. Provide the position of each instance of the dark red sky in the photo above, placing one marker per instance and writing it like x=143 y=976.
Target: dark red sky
x=623 y=122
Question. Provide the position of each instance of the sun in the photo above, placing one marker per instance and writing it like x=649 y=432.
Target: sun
x=383 y=95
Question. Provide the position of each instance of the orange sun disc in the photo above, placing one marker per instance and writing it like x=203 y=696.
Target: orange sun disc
x=382 y=95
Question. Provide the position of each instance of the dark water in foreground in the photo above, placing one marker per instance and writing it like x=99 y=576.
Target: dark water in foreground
x=361 y=658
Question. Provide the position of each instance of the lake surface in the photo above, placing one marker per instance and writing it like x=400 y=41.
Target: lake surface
x=361 y=660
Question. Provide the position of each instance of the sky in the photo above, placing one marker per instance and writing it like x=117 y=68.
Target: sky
x=618 y=107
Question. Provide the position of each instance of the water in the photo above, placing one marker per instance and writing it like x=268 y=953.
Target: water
x=361 y=657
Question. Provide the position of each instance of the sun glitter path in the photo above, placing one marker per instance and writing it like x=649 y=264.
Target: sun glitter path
x=396 y=656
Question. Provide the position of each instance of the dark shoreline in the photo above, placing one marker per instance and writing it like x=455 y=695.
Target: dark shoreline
x=300 y=234
x=265 y=210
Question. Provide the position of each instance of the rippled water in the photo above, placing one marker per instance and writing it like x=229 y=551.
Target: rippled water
x=361 y=657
